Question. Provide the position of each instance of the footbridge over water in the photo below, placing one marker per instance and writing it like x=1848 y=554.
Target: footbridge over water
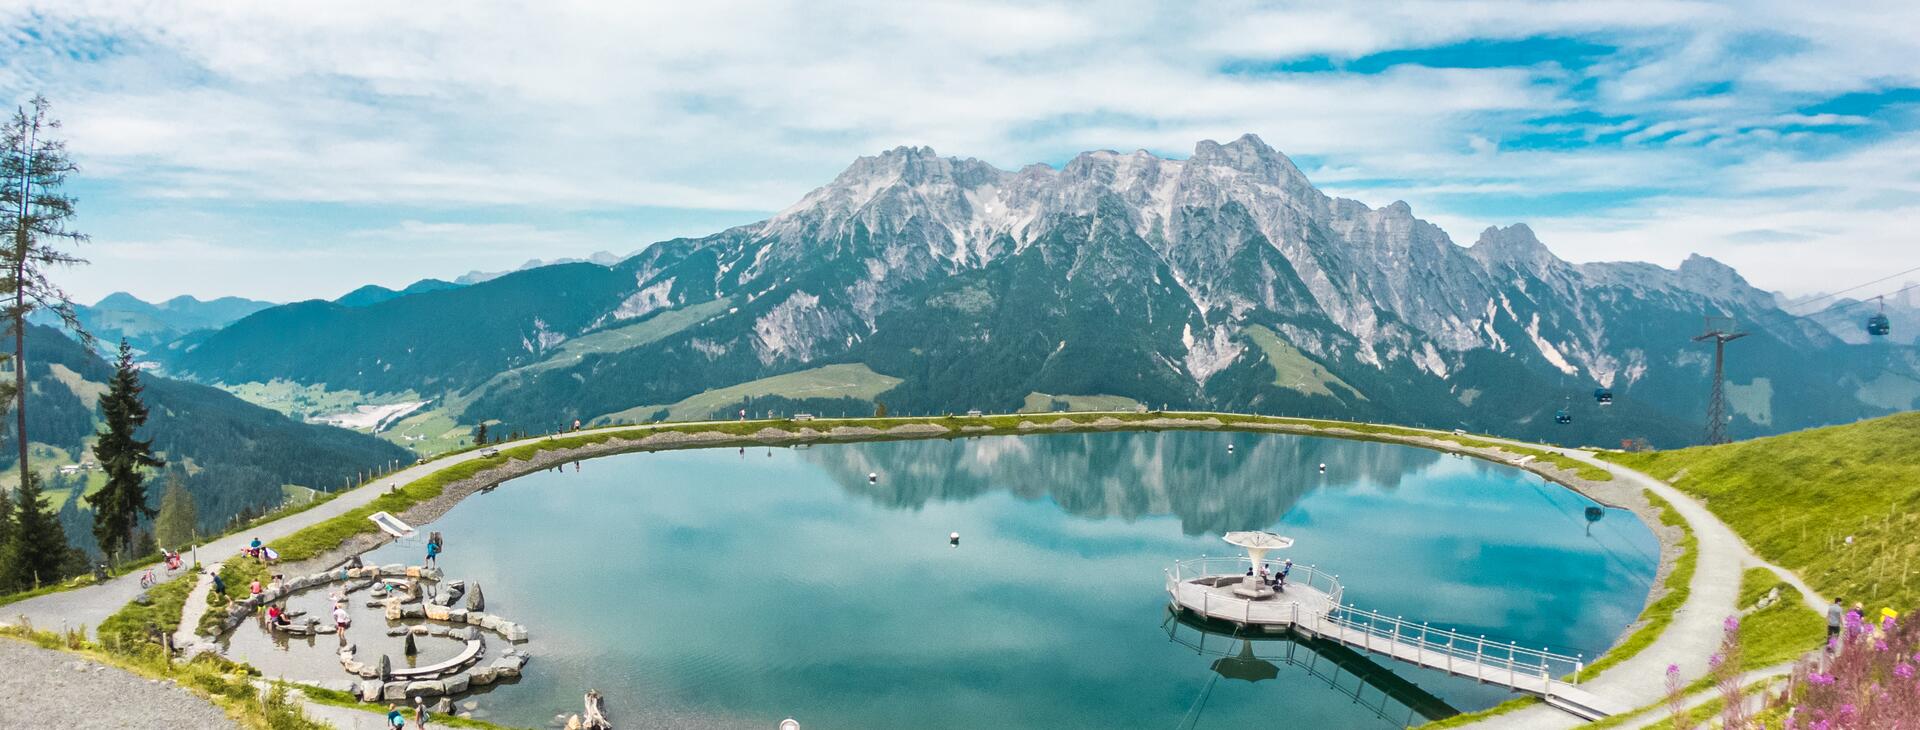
x=1310 y=605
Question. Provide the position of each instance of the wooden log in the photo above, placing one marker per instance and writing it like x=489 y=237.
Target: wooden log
x=595 y=718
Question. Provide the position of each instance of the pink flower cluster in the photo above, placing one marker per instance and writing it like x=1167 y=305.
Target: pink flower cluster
x=1864 y=681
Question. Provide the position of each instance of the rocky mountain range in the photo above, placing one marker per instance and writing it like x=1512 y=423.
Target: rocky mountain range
x=1223 y=280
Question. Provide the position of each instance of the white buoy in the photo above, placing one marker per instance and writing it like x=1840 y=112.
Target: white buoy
x=1323 y=468
x=953 y=539
x=789 y=724
x=1229 y=448
x=872 y=477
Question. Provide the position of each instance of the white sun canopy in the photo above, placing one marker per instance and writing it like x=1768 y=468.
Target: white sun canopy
x=1258 y=539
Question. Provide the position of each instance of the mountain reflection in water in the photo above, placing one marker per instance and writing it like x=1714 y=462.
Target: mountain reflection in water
x=1188 y=474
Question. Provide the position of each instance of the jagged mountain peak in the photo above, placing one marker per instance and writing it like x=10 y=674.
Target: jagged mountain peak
x=1515 y=244
x=1247 y=153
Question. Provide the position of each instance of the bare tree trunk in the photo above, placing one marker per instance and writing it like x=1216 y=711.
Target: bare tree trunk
x=20 y=384
x=20 y=340
x=19 y=303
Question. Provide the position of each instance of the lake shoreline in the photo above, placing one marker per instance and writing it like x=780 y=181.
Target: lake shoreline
x=1614 y=494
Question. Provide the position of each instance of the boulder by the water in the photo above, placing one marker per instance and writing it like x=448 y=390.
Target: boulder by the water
x=386 y=668
x=410 y=649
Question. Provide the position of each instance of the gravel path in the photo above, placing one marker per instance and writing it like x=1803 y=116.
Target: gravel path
x=42 y=688
x=1695 y=632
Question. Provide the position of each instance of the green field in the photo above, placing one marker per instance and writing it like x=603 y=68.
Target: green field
x=307 y=401
x=1293 y=370
x=833 y=381
x=1043 y=402
x=87 y=391
x=1839 y=505
x=611 y=340
x=428 y=432
x=629 y=336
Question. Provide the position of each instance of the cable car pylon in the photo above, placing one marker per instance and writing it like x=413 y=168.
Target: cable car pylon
x=1720 y=331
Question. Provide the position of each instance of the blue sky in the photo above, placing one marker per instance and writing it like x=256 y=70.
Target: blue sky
x=286 y=151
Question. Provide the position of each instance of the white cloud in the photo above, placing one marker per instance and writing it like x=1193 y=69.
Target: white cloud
x=579 y=106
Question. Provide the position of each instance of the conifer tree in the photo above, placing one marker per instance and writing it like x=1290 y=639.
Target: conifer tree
x=120 y=505
x=33 y=218
x=78 y=525
x=38 y=550
x=480 y=436
x=175 y=528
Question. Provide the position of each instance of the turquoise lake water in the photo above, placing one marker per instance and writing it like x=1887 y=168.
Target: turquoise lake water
x=728 y=588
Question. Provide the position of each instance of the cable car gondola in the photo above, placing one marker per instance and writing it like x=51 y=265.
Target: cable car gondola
x=1878 y=325
x=1564 y=416
x=1603 y=396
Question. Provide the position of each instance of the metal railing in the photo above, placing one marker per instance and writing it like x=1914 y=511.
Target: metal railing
x=1306 y=575
x=1412 y=641
x=1452 y=651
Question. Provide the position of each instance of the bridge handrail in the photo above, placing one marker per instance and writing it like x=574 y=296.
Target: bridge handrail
x=1303 y=574
x=1509 y=656
x=1344 y=619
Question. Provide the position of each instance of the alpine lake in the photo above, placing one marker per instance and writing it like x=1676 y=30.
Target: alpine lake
x=730 y=587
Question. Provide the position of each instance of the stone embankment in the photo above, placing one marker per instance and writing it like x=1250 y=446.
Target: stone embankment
x=401 y=590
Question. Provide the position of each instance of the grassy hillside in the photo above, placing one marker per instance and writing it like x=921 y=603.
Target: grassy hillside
x=1293 y=370
x=832 y=381
x=1043 y=402
x=234 y=456
x=1797 y=498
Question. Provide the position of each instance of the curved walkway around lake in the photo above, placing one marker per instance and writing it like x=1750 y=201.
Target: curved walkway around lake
x=1687 y=642
x=1697 y=626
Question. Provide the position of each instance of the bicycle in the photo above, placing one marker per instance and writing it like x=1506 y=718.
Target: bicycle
x=148 y=579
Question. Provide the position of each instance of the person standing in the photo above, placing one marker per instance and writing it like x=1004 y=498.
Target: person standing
x=1836 y=614
x=341 y=621
x=433 y=554
x=394 y=717
x=420 y=713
